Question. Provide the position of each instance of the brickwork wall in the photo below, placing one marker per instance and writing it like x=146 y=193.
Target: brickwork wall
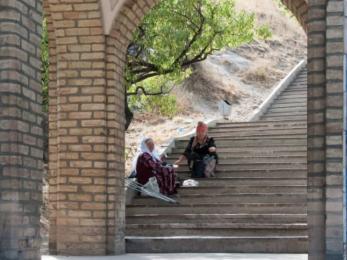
x=316 y=26
x=86 y=191
x=334 y=130
x=325 y=110
x=20 y=129
x=86 y=164
x=299 y=10
x=52 y=121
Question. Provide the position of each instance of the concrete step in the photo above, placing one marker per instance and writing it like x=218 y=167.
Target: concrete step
x=250 y=155
x=299 y=89
x=254 y=150
x=284 y=123
x=254 y=142
x=297 y=110
x=256 y=160
x=217 y=229
x=265 y=130
x=196 y=199
x=218 y=244
x=277 y=173
x=220 y=208
x=260 y=136
x=287 y=105
x=285 y=114
x=287 y=109
x=232 y=181
x=243 y=189
x=291 y=96
x=300 y=100
x=270 y=118
x=216 y=218
x=255 y=166
x=256 y=132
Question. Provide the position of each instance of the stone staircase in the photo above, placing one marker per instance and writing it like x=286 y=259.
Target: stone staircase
x=257 y=202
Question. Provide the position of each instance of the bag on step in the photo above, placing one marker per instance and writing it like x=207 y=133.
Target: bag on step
x=152 y=185
x=210 y=166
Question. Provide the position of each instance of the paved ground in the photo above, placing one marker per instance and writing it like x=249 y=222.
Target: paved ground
x=186 y=257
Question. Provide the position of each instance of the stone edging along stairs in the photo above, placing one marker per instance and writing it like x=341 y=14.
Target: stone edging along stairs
x=257 y=202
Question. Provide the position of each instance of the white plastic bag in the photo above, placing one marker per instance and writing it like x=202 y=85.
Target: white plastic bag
x=190 y=183
x=151 y=186
x=224 y=108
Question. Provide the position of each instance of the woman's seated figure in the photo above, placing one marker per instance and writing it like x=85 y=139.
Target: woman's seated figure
x=201 y=152
x=149 y=164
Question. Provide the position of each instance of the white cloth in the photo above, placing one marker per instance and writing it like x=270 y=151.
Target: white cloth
x=190 y=183
x=141 y=150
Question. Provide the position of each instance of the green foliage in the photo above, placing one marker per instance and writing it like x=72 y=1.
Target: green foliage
x=176 y=34
x=164 y=105
x=45 y=65
x=264 y=32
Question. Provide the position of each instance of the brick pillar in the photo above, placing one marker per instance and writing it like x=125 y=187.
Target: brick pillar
x=86 y=158
x=325 y=122
x=316 y=27
x=334 y=130
x=20 y=129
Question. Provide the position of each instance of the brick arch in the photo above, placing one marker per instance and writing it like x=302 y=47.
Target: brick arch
x=114 y=11
x=87 y=119
x=299 y=10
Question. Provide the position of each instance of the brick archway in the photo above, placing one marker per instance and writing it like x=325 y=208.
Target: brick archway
x=86 y=120
x=89 y=107
x=86 y=123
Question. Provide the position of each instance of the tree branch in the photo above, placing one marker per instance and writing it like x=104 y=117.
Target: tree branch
x=144 y=92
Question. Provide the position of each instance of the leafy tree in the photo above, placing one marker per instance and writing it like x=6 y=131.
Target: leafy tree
x=175 y=35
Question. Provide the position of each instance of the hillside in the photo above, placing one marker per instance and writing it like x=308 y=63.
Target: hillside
x=245 y=76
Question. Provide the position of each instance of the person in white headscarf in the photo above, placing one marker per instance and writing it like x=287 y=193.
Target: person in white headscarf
x=147 y=163
x=143 y=148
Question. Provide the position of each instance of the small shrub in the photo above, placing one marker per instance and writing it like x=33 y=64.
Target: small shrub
x=264 y=32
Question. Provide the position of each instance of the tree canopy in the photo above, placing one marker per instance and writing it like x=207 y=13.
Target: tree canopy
x=176 y=34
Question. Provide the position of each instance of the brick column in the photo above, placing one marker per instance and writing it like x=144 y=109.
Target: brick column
x=334 y=130
x=325 y=122
x=86 y=190
x=316 y=26
x=20 y=129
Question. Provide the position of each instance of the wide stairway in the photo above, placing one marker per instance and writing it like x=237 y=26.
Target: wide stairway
x=257 y=201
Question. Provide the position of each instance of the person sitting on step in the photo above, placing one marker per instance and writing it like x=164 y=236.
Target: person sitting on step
x=149 y=164
x=201 y=152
